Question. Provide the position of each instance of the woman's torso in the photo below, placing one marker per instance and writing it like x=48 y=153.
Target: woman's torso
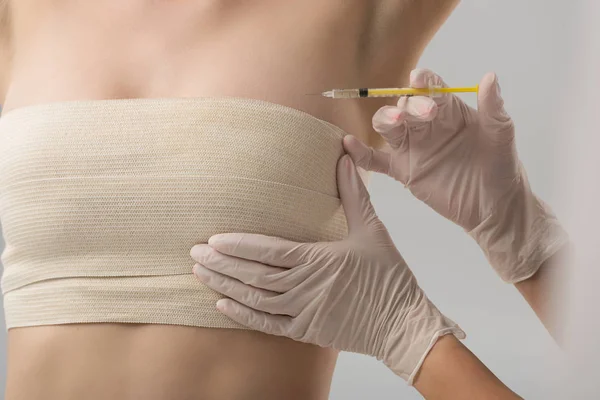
x=270 y=50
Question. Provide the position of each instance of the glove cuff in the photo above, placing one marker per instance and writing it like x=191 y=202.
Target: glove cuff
x=407 y=346
x=521 y=233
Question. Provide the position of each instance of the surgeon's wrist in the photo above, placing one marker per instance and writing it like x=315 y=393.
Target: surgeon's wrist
x=409 y=342
x=520 y=234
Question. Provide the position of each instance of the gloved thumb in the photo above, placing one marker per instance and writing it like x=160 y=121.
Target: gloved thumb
x=355 y=197
x=366 y=157
x=496 y=123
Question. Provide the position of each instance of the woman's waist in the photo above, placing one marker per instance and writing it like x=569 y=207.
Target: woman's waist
x=130 y=361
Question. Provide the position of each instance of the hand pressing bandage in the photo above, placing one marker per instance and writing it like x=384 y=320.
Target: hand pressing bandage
x=354 y=295
x=463 y=163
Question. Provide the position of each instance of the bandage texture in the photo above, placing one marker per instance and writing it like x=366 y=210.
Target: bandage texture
x=101 y=201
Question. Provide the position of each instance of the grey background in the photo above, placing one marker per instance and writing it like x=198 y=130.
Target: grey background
x=527 y=43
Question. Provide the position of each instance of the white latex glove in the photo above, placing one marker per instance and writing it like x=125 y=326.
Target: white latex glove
x=463 y=163
x=355 y=295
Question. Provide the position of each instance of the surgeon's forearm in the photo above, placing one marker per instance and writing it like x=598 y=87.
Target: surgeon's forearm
x=546 y=292
x=451 y=371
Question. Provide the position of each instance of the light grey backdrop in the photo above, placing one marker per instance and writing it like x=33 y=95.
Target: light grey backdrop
x=527 y=43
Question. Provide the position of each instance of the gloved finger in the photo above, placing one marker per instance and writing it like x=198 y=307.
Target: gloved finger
x=410 y=115
x=450 y=110
x=279 y=325
x=251 y=273
x=273 y=251
x=417 y=113
x=366 y=157
x=422 y=78
x=354 y=196
x=497 y=124
x=390 y=123
x=417 y=110
x=258 y=299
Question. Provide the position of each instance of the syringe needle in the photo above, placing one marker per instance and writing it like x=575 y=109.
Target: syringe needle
x=329 y=93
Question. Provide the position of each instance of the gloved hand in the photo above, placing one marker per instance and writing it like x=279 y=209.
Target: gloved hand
x=355 y=295
x=463 y=163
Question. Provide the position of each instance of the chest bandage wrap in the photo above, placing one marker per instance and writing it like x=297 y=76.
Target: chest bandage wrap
x=101 y=201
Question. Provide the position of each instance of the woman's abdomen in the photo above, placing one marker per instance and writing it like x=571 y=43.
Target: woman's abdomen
x=157 y=362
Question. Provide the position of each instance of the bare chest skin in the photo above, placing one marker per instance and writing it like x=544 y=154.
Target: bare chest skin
x=270 y=50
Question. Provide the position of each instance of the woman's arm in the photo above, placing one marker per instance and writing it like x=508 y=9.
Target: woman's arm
x=451 y=371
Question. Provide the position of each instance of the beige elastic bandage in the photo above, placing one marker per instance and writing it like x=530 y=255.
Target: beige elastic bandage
x=101 y=201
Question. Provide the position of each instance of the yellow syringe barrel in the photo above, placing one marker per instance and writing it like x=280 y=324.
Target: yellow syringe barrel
x=421 y=91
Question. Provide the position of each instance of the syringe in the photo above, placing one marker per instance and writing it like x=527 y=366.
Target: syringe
x=431 y=91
